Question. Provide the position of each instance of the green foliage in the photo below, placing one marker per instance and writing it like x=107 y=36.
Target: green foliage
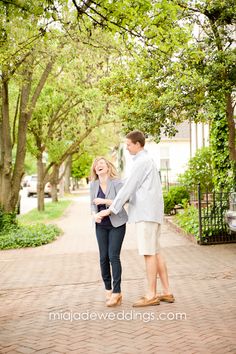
x=214 y=225
x=214 y=217
x=30 y=165
x=176 y=196
x=14 y=234
x=169 y=204
x=222 y=177
x=72 y=106
x=28 y=236
x=163 y=85
x=199 y=170
x=187 y=219
x=8 y=221
x=162 y=76
x=100 y=143
x=81 y=166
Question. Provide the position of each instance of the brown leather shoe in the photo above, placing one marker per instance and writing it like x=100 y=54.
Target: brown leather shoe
x=143 y=301
x=167 y=298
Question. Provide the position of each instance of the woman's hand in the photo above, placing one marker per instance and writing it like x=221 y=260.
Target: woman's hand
x=99 y=201
x=97 y=218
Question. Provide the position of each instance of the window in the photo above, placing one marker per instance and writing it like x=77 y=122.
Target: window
x=164 y=158
x=164 y=164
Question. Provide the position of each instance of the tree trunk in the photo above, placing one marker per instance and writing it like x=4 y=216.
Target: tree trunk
x=54 y=179
x=20 y=157
x=67 y=174
x=54 y=193
x=24 y=117
x=10 y=179
x=41 y=183
x=5 y=149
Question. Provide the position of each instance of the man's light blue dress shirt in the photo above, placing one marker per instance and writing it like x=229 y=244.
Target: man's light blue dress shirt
x=142 y=190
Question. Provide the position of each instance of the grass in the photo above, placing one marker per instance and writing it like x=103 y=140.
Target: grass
x=30 y=230
x=52 y=211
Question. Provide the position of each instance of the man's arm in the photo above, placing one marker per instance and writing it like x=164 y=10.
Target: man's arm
x=91 y=192
x=137 y=175
x=99 y=201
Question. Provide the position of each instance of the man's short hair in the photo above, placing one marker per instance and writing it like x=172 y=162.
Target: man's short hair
x=136 y=136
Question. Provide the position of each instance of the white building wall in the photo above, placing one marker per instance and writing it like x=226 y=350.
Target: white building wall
x=178 y=158
x=199 y=136
x=177 y=150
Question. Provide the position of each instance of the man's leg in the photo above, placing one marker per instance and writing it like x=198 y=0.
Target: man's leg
x=151 y=272
x=147 y=237
x=163 y=273
x=150 y=299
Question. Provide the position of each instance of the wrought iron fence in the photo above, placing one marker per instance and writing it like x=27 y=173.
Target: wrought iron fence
x=212 y=208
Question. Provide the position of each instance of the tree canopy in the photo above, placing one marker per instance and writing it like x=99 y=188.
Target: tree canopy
x=68 y=67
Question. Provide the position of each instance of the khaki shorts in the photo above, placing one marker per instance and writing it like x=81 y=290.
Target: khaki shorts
x=148 y=237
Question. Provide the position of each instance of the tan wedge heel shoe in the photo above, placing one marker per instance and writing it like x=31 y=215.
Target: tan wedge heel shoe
x=115 y=300
x=108 y=294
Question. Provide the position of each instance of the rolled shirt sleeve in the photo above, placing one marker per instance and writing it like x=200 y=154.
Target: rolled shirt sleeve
x=92 y=205
x=138 y=174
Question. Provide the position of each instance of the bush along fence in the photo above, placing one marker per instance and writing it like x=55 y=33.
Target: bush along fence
x=212 y=209
x=209 y=216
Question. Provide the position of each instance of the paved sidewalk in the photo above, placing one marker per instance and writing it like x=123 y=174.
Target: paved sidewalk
x=51 y=297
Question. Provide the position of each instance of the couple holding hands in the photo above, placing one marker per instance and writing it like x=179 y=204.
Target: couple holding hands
x=142 y=190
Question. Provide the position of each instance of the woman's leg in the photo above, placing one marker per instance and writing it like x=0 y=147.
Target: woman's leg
x=103 y=241
x=116 y=236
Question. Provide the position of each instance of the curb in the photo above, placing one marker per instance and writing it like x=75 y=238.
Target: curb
x=169 y=221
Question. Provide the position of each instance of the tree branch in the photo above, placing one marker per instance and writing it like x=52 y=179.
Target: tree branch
x=41 y=83
x=15 y=3
x=14 y=121
x=83 y=8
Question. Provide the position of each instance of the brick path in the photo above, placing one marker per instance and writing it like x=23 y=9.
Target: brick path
x=51 y=297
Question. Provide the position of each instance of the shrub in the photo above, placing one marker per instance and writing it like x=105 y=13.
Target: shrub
x=8 y=221
x=28 y=236
x=200 y=170
x=188 y=220
x=176 y=196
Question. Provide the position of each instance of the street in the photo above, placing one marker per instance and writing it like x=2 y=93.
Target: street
x=29 y=203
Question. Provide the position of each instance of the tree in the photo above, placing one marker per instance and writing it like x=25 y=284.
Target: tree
x=214 y=57
x=71 y=106
x=25 y=65
x=17 y=62
x=81 y=165
x=93 y=147
x=192 y=78
x=199 y=170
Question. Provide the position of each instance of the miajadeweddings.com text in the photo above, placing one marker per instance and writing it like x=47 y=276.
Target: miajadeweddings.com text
x=116 y=316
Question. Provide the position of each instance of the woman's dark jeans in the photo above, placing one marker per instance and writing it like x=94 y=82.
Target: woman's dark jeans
x=109 y=243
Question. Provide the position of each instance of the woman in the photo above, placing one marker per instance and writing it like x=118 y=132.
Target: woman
x=110 y=231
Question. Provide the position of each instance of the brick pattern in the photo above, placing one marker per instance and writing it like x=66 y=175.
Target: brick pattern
x=63 y=279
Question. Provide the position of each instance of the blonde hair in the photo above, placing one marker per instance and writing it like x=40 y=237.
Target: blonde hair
x=112 y=172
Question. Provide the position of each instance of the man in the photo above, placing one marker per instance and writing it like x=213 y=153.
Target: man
x=142 y=190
